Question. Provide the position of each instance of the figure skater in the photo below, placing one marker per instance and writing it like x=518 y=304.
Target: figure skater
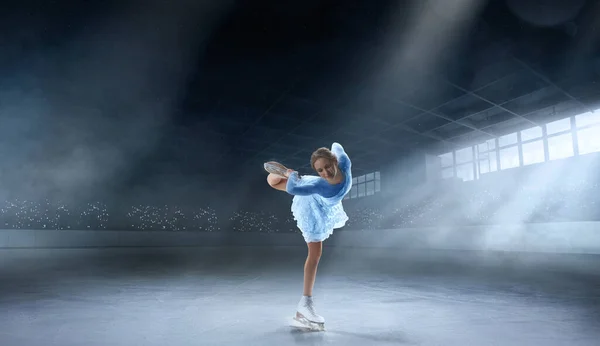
x=317 y=209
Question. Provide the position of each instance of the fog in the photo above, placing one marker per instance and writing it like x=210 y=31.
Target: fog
x=80 y=117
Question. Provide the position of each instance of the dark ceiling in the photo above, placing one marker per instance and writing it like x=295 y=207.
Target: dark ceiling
x=280 y=80
x=277 y=79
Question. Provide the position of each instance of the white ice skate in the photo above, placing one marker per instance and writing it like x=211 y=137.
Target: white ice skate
x=275 y=168
x=306 y=317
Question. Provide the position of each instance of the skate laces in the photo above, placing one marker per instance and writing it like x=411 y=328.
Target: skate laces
x=309 y=306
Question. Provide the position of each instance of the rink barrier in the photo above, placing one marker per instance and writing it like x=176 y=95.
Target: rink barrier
x=564 y=237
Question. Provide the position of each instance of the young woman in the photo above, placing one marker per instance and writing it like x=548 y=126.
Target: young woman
x=317 y=209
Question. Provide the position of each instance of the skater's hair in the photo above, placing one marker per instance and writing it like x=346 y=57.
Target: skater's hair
x=322 y=153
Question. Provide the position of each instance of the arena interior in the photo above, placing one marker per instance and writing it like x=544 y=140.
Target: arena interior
x=134 y=207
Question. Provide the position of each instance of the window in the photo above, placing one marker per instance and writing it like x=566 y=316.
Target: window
x=589 y=118
x=446 y=160
x=354 y=190
x=533 y=152
x=531 y=133
x=448 y=173
x=365 y=185
x=529 y=146
x=488 y=163
x=370 y=188
x=560 y=147
x=588 y=140
x=464 y=155
x=361 y=190
x=465 y=171
x=490 y=144
x=507 y=140
x=509 y=157
x=558 y=126
x=488 y=166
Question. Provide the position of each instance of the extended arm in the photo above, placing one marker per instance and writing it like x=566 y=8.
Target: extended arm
x=343 y=159
x=307 y=186
x=295 y=187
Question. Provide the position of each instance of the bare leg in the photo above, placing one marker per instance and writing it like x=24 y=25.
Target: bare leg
x=310 y=266
x=277 y=182
x=305 y=313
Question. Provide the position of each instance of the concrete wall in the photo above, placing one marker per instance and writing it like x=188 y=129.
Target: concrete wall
x=577 y=238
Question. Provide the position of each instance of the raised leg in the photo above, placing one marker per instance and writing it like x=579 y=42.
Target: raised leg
x=277 y=182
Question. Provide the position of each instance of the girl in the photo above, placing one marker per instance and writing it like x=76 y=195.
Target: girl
x=317 y=209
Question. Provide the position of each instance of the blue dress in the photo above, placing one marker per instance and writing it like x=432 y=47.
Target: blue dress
x=317 y=204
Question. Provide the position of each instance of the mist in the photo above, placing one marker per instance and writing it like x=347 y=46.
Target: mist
x=134 y=207
x=79 y=117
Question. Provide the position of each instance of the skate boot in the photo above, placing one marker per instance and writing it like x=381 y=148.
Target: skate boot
x=275 y=168
x=307 y=317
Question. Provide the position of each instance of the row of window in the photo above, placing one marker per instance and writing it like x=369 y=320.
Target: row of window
x=365 y=185
x=559 y=139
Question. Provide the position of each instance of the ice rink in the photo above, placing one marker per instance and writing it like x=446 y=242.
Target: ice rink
x=247 y=296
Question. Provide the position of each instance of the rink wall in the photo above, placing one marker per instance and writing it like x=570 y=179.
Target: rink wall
x=567 y=237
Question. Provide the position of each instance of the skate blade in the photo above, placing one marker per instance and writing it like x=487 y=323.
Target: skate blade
x=306 y=325
x=275 y=168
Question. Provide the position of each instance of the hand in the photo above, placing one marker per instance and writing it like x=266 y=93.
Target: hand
x=288 y=173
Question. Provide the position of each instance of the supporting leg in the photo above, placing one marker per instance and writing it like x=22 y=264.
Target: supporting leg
x=310 y=266
x=306 y=313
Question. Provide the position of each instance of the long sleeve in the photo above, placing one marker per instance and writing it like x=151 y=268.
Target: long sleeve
x=343 y=159
x=308 y=186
